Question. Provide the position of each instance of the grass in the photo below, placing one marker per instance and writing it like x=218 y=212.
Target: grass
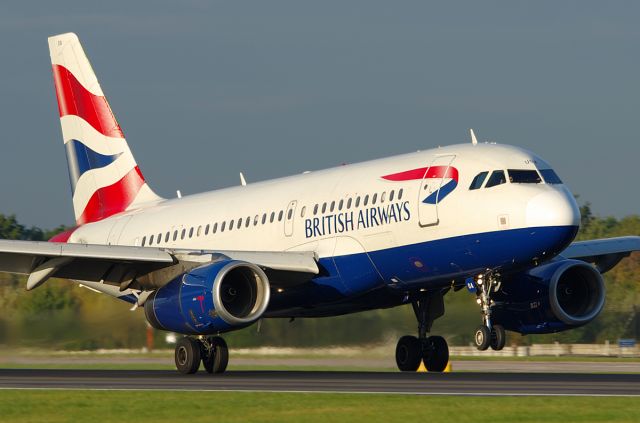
x=155 y=406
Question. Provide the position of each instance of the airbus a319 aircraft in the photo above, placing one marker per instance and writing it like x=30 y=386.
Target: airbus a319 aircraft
x=494 y=219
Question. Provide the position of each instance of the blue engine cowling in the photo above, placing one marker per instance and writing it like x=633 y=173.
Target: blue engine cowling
x=560 y=295
x=209 y=299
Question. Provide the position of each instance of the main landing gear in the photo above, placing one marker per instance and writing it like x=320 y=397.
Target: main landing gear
x=488 y=335
x=432 y=350
x=211 y=351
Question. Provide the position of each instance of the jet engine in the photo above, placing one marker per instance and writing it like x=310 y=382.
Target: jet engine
x=210 y=299
x=560 y=295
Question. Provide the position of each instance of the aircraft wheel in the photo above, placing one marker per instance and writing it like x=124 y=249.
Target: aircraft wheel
x=482 y=337
x=498 y=337
x=217 y=357
x=408 y=353
x=187 y=355
x=437 y=354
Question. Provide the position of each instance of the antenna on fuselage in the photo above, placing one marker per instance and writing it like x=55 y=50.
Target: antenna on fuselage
x=243 y=181
x=474 y=140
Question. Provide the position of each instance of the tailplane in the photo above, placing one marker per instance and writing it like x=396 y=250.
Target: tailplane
x=104 y=176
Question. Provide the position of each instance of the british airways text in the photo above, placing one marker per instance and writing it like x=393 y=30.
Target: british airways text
x=354 y=220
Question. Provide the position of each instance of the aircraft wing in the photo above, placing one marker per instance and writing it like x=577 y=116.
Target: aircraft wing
x=142 y=268
x=603 y=253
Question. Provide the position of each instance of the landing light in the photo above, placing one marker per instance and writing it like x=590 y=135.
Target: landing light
x=280 y=290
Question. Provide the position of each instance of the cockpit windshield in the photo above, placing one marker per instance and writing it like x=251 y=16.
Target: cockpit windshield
x=496 y=178
x=550 y=177
x=524 y=176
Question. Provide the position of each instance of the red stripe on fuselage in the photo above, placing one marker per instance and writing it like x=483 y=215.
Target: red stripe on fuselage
x=113 y=199
x=74 y=99
x=424 y=172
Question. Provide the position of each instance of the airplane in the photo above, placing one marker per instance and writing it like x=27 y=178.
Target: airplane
x=494 y=219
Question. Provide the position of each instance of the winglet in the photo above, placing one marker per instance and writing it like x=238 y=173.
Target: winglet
x=474 y=140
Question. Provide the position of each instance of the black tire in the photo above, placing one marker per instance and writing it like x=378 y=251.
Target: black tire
x=482 y=337
x=498 y=337
x=408 y=354
x=436 y=354
x=187 y=356
x=216 y=360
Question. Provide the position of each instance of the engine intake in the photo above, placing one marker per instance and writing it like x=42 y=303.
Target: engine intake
x=576 y=293
x=209 y=299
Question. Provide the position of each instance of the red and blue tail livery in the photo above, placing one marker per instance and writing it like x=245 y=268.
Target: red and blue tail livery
x=105 y=179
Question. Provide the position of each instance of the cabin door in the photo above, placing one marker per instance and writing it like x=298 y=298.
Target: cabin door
x=435 y=186
x=289 y=218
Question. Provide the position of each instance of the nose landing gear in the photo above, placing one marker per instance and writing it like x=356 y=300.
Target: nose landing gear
x=433 y=351
x=488 y=335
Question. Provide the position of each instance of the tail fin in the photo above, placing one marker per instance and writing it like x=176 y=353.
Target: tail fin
x=105 y=178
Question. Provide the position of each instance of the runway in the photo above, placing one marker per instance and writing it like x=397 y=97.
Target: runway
x=316 y=382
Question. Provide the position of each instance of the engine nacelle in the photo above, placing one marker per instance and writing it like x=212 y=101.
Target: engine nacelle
x=557 y=296
x=210 y=299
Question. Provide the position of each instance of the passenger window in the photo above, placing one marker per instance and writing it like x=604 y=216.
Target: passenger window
x=366 y=200
x=349 y=203
x=324 y=207
x=166 y=237
x=199 y=231
x=550 y=177
x=391 y=194
x=496 y=178
x=144 y=240
x=215 y=228
x=175 y=235
x=384 y=194
x=290 y=214
x=400 y=193
x=264 y=218
x=206 y=229
x=151 y=240
x=333 y=206
x=358 y=201
x=315 y=209
x=478 y=180
x=240 y=223
x=523 y=176
x=191 y=232
x=280 y=216
x=159 y=238
x=273 y=215
x=222 y=227
x=304 y=209
x=184 y=232
x=340 y=204
x=375 y=198
x=247 y=222
x=231 y=224
x=255 y=220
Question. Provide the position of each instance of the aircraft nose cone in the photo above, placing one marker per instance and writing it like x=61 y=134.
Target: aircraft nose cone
x=552 y=208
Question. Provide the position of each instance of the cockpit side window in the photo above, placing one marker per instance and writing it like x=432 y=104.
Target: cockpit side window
x=550 y=177
x=496 y=178
x=478 y=180
x=523 y=176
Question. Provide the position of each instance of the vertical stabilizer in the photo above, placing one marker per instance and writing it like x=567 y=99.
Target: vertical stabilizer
x=105 y=178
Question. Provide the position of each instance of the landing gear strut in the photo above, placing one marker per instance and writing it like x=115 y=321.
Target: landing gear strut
x=432 y=350
x=212 y=352
x=488 y=335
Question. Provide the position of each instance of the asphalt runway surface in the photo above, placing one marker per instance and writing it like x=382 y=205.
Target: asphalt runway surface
x=319 y=381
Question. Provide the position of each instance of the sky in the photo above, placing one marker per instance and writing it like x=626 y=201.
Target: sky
x=206 y=89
